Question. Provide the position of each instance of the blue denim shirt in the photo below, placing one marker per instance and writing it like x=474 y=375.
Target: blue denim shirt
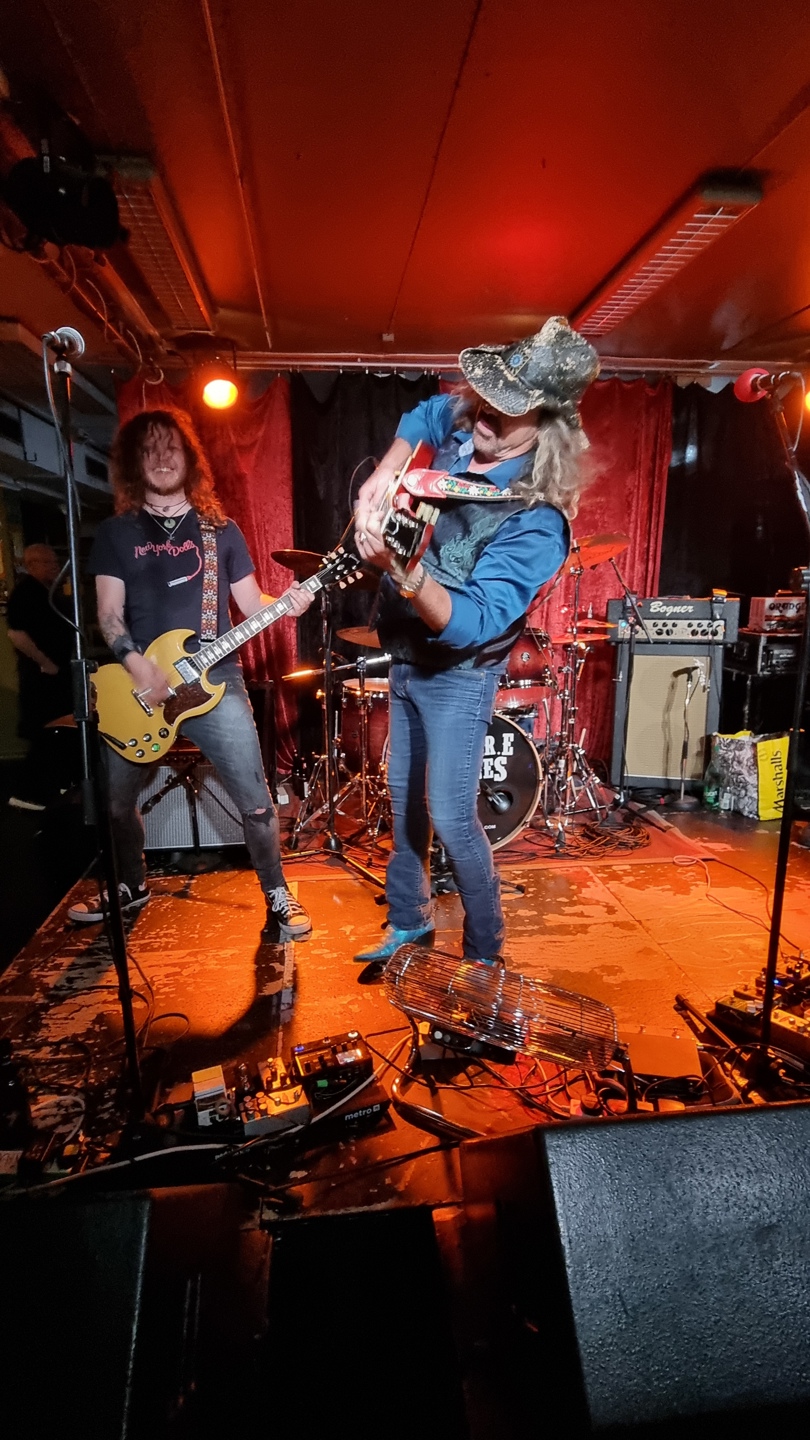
x=527 y=550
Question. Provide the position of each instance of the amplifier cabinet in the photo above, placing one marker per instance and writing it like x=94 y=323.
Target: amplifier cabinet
x=171 y=797
x=651 y=711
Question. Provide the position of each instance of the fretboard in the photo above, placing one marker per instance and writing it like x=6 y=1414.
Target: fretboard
x=215 y=650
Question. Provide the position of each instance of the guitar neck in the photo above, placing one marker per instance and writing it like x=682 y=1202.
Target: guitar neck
x=232 y=640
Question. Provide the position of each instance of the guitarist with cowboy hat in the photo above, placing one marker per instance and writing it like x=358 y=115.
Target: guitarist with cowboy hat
x=450 y=624
x=148 y=560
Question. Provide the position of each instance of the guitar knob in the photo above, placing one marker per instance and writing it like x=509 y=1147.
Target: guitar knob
x=163 y=734
x=146 y=739
x=139 y=754
x=132 y=742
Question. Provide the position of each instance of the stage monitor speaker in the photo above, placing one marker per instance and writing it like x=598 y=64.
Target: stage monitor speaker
x=654 y=725
x=178 y=792
x=129 y=1315
x=656 y=1270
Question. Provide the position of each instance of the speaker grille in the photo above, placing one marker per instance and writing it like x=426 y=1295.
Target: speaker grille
x=165 y=805
x=656 y=725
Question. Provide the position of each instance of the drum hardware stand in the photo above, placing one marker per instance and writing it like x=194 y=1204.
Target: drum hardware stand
x=328 y=764
x=568 y=775
x=635 y=621
x=95 y=802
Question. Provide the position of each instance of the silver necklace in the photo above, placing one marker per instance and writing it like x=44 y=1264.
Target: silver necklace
x=167 y=522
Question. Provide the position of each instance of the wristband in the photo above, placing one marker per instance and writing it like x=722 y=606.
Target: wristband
x=122 y=646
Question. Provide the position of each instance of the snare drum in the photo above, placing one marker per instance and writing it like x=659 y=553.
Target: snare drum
x=510 y=782
x=351 y=720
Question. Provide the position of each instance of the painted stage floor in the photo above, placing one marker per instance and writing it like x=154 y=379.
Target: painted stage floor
x=632 y=932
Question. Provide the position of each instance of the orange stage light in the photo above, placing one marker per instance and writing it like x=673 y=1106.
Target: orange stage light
x=220 y=393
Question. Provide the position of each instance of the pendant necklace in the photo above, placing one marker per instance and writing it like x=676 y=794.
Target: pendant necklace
x=168 y=522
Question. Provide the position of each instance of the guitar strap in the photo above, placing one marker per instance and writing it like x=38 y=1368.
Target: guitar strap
x=209 y=624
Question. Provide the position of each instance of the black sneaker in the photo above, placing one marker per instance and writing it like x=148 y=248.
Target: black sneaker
x=286 y=917
x=93 y=911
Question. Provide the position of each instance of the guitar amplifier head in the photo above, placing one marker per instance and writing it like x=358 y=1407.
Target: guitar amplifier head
x=776 y=612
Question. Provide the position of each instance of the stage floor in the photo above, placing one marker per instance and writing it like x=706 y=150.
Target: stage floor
x=631 y=931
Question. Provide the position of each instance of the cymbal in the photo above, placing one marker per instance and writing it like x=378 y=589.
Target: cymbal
x=305 y=563
x=66 y=722
x=360 y=635
x=584 y=637
x=594 y=550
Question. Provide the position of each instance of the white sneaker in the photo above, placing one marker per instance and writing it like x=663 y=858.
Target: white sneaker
x=93 y=911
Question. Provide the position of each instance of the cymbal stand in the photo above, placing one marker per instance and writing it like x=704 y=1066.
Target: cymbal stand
x=569 y=777
x=327 y=767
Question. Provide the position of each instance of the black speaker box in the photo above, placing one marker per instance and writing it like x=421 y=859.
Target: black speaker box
x=128 y=1315
x=648 y=1276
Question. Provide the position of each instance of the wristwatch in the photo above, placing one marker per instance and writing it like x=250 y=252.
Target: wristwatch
x=410 y=588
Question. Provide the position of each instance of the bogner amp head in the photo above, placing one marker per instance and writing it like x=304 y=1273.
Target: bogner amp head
x=678 y=618
x=680 y=658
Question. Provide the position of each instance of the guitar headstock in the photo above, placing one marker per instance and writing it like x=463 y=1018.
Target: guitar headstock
x=339 y=567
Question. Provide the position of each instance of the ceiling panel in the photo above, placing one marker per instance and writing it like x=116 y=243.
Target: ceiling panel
x=400 y=178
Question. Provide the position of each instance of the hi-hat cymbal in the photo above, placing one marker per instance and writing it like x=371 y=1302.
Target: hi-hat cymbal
x=582 y=637
x=594 y=550
x=305 y=563
x=360 y=635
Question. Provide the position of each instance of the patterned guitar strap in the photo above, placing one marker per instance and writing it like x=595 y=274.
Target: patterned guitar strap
x=209 y=624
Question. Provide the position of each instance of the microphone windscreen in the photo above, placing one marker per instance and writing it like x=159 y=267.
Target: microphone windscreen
x=746 y=387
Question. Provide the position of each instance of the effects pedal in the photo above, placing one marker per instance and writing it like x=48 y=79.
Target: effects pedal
x=279 y=1104
x=327 y=1068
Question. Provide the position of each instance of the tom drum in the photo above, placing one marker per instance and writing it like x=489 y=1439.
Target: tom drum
x=376 y=701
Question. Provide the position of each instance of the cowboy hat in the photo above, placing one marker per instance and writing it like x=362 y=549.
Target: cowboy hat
x=552 y=368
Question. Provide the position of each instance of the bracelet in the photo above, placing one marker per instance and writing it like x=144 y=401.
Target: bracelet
x=409 y=591
x=122 y=646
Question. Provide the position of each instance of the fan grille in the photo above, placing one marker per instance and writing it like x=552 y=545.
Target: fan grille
x=501 y=1007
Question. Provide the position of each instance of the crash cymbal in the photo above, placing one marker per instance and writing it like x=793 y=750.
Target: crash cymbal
x=66 y=722
x=304 y=563
x=360 y=635
x=594 y=550
x=583 y=637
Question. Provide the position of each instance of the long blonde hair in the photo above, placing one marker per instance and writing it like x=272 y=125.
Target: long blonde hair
x=561 y=468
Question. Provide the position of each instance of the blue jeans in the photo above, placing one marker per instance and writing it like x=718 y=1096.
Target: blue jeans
x=439 y=721
x=227 y=737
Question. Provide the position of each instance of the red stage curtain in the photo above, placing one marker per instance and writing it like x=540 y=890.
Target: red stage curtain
x=629 y=425
x=250 y=450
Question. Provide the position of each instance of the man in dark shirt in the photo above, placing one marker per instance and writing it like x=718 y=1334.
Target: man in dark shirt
x=40 y=632
x=149 y=565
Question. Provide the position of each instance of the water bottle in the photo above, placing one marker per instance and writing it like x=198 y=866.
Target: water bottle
x=711 y=787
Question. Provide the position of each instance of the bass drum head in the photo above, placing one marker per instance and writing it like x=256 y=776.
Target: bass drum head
x=510 y=781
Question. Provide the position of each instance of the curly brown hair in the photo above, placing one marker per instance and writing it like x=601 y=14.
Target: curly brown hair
x=126 y=464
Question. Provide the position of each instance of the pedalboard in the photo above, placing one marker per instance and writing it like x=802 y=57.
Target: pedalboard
x=326 y=1068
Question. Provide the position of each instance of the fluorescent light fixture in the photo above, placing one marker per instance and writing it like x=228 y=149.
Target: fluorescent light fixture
x=707 y=212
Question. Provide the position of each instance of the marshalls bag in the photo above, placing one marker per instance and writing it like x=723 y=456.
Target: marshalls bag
x=747 y=774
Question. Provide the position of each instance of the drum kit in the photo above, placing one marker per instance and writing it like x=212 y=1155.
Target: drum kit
x=534 y=757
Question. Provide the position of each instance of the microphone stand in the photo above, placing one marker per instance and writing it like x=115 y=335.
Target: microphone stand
x=95 y=805
x=760 y=1067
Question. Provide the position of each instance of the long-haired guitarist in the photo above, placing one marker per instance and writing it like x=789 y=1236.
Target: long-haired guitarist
x=452 y=620
x=150 y=568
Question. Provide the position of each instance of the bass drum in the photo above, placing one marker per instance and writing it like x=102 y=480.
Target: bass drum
x=510 y=783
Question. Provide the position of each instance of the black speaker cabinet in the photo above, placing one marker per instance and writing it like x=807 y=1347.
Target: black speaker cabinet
x=652 y=1274
x=129 y=1315
x=649 y=713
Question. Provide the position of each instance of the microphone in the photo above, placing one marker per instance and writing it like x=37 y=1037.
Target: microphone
x=498 y=800
x=66 y=341
x=756 y=384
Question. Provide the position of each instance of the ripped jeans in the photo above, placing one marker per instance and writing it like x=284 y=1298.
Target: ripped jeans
x=227 y=737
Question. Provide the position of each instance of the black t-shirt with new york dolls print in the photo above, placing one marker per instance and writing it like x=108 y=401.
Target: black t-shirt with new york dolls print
x=163 y=572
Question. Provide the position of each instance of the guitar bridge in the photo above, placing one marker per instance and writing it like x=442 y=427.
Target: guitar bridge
x=138 y=695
